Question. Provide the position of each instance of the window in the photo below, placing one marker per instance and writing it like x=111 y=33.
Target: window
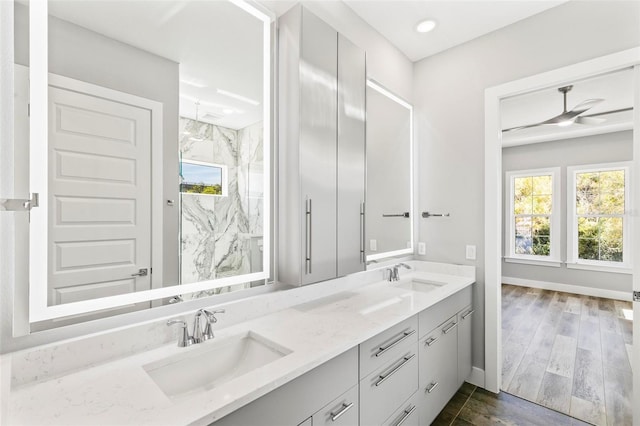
x=533 y=216
x=197 y=177
x=598 y=222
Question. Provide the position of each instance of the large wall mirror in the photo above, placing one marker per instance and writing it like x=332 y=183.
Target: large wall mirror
x=149 y=142
x=389 y=225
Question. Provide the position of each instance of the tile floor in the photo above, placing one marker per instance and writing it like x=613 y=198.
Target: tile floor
x=476 y=406
x=568 y=352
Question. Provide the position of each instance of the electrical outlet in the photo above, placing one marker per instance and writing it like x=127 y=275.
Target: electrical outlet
x=422 y=249
x=471 y=252
x=373 y=245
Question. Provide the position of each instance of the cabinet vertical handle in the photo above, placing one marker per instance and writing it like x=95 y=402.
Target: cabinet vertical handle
x=450 y=327
x=465 y=315
x=432 y=387
x=341 y=411
x=307 y=248
x=362 y=256
x=406 y=415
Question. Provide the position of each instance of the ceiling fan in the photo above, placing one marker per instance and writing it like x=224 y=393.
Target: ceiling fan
x=574 y=115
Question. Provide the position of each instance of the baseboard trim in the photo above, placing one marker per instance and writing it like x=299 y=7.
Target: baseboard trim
x=569 y=288
x=476 y=377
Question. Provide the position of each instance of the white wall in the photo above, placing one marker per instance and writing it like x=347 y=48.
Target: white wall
x=607 y=148
x=449 y=102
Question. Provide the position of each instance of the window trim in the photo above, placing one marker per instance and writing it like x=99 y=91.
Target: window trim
x=573 y=262
x=554 y=251
x=223 y=170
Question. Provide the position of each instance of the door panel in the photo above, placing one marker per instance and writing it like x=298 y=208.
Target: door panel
x=100 y=197
x=318 y=110
x=351 y=157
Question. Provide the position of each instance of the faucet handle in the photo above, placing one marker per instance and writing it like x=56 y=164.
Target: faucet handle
x=185 y=339
x=211 y=319
x=211 y=315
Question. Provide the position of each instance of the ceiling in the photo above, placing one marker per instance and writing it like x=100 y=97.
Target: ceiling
x=457 y=21
x=614 y=88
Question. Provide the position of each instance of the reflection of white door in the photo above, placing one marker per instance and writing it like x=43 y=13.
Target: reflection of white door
x=99 y=197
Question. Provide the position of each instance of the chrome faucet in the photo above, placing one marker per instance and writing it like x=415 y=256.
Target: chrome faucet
x=198 y=335
x=394 y=272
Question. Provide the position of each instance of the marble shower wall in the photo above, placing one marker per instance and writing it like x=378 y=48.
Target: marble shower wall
x=221 y=236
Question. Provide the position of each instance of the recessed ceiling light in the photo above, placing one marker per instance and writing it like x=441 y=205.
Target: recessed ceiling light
x=228 y=111
x=425 y=26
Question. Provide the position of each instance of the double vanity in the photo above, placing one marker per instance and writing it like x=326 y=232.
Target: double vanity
x=356 y=350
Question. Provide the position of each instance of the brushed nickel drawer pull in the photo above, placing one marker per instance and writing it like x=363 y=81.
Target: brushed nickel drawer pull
x=362 y=242
x=406 y=334
x=406 y=415
x=308 y=233
x=432 y=387
x=405 y=360
x=343 y=409
x=450 y=327
x=430 y=341
x=464 y=316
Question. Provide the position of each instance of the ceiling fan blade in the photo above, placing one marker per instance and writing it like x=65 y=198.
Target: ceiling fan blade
x=590 y=121
x=513 y=129
x=566 y=118
x=586 y=105
x=613 y=111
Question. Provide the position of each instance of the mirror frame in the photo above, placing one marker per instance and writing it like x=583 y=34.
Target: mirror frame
x=409 y=250
x=38 y=176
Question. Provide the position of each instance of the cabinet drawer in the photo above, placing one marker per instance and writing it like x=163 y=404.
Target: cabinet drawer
x=407 y=414
x=438 y=369
x=387 y=346
x=386 y=389
x=431 y=317
x=343 y=411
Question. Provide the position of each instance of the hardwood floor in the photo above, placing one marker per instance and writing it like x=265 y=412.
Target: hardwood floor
x=568 y=352
x=476 y=406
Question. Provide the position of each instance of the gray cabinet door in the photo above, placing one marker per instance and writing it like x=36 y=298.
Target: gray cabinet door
x=465 y=322
x=351 y=157
x=318 y=148
x=438 y=369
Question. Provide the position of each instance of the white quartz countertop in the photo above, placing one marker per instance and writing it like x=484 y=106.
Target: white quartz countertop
x=122 y=393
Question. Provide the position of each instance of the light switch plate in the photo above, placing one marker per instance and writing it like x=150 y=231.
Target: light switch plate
x=373 y=245
x=471 y=252
x=422 y=249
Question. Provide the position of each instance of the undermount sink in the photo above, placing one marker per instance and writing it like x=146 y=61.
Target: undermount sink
x=423 y=285
x=214 y=363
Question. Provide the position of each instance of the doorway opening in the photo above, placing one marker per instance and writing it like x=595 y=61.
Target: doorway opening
x=558 y=325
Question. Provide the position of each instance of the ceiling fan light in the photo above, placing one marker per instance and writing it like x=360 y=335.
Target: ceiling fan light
x=425 y=26
x=565 y=123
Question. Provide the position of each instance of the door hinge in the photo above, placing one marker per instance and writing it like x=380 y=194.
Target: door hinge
x=19 y=204
x=636 y=296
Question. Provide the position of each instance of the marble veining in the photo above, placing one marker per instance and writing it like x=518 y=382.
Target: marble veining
x=217 y=231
